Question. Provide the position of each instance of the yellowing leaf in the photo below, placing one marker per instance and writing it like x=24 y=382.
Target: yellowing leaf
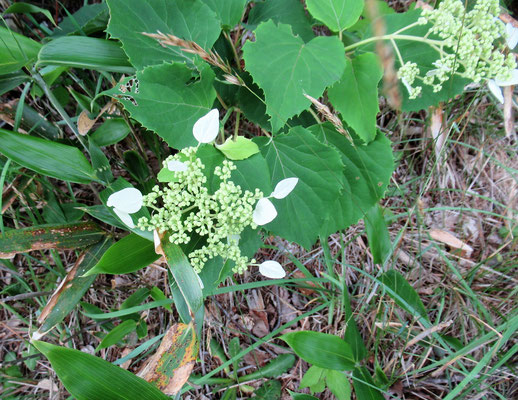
x=172 y=364
x=238 y=149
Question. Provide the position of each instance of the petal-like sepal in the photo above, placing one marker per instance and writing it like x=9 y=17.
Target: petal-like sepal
x=176 y=166
x=264 y=212
x=272 y=270
x=495 y=89
x=128 y=200
x=284 y=187
x=508 y=82
x=206 y=129
x=511 y=35
x=124 y=217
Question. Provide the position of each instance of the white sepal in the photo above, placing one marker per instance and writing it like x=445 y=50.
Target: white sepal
x=200 y=281
x=284 y=187
x=511 y=35
x=264 y=212
x=495 y=89
x=124 y=217
x=176 y=166
x=509 y=82
x=272 y=270
x=206 y=129
x=233 y=238
x=128 y=200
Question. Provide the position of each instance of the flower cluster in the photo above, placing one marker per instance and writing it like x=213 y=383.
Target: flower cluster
x=468 y=45
x=185 y=207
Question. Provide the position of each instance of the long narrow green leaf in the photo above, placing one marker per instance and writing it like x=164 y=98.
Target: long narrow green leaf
x=43 y=237
x=404 y=291
x=85 y=52
x=131 y=310
x=25 y=8
x=184 y=276
x=117 y=334
x=91 y=378
x=46 y=157
x=378 y=235
x=16 y=51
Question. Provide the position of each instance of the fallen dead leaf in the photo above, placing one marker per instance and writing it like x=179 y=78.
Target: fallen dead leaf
x=84 y=123
x=48 y=384
x=449 y=239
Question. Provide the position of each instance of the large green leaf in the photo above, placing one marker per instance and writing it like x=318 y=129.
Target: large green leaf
x=368 y=169
x=321 y=349
x=68 y=295
x=16 y=50
x=168 y=102
x=47 y=158
x=423 y=55
x=289 y=12
x=188 y=19
x=91 y=378
x=356 y=94
x=403 y=293
x=229 y=12
x=85 y=52
x=129 y=254
x=319 y=169
x=286 y=68
x=336 y=14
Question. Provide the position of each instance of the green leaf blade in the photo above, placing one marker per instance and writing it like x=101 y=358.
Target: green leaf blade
x=188 y=19
x=46 y=157
x=321 y=349
x=336 y=14
x=129 y=254
x=318 y=166
x=367 y=172
x=356 y=94
x=168 y=102
x=403 y=293
x=286 y=68
x=91 y=378
x=85 y=52
x=16 y=51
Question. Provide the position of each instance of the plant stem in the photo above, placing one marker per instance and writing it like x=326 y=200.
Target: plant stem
x=393 y=36
x=234 y=51
x=236 y=126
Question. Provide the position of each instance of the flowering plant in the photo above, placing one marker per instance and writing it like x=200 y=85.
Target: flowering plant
x=298 y=153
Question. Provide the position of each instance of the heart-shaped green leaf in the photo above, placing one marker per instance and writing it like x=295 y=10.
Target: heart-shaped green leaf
x=286 y=68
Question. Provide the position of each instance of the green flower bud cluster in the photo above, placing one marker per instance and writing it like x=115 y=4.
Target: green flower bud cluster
x=468 y=45
x=185 y=207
